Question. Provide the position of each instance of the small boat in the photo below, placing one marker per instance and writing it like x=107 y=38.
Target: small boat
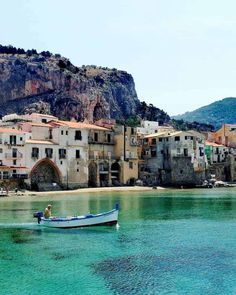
x=105 y=218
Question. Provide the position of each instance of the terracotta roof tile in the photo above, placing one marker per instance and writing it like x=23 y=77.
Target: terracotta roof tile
x=80 y=125
x=11 y=130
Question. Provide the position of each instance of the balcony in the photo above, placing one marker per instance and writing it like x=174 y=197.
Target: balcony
x=101 y=142
x=18 y=176
x=13 y=155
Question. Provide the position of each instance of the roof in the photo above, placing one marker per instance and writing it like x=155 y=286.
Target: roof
x=39 y=124
x=213 y=144
x=175 y=133
x=80 y=125
x=11 y=130
x=39 y=141
x=157 y=134
x=42 y=115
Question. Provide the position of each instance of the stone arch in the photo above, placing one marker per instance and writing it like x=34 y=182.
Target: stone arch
x=104 y=173
x=92 y=174
x=115 y=173
x=44 y=172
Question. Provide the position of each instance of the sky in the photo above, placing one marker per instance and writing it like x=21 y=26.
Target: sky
x=181 y=53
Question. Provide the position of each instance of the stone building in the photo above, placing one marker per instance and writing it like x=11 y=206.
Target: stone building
x=51 y=154
x=13 y=167
x=174 y=158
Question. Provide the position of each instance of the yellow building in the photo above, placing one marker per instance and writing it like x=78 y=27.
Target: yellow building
x=226 y=135
x=126 y=152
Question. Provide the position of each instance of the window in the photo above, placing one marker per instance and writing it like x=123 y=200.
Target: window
x=153 y=153
x=130 y=165
x=14 y=162
x=62 y=132
x=78 y=135
x=188 y=137
x=62 y=153
x=48 y=152
x=132 y=131
x=154 y=141
x=0 y=150
x=35 y=152
x=201 y=151
x=12 y=139
x=185 y=152
x=160 y=139
x=77 y=169
x=21 y=138
x=95 y=136
x=77 y=154
x=108 y=137
x=50 y=133
x=44 y=120
x=14 y=153
x=66 y=132
x=177 y=138
x=5 y=175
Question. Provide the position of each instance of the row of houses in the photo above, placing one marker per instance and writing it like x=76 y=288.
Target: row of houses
x=42 y=152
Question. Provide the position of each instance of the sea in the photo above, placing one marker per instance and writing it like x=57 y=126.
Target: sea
x=166 y=242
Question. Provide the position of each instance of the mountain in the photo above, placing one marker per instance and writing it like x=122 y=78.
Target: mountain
x=49 y=83
x=216 y=114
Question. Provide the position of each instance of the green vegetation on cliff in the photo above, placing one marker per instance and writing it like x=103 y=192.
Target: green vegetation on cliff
x=216 y=114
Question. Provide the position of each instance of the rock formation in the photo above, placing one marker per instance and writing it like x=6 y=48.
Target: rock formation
x=46 y=83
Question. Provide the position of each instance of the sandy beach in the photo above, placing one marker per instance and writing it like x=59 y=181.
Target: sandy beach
x=86 y=190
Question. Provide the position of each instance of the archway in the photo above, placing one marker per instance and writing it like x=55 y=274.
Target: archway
x=92 y=174
x=115 y=173
x=104 y=173
x=44 y=174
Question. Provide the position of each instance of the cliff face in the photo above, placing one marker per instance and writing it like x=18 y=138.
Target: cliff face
x=52 y=85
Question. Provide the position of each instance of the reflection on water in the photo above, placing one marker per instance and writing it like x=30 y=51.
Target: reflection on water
x=169 y=242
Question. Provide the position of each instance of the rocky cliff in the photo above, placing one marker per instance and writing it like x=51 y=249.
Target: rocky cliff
x=47 y=83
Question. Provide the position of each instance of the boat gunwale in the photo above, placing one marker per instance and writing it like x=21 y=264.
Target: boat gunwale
x=76 y=218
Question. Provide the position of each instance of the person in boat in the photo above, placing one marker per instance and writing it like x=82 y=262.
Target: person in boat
x=48 y=211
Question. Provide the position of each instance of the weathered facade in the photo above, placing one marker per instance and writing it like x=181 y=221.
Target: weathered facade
x=174 y=158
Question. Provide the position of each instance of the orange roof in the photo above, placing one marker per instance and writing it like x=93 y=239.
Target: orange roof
x=80 y=125
x=213 y=144
x=11 y=130
x=39 y=124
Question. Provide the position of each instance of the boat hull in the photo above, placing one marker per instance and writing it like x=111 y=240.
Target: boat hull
x=107 y=218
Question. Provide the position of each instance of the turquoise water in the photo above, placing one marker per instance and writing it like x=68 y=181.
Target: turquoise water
x=168 y=242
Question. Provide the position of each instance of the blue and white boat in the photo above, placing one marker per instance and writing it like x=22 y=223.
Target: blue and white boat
x=105 y=218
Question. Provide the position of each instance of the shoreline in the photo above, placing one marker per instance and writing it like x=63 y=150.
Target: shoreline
x=85 y=190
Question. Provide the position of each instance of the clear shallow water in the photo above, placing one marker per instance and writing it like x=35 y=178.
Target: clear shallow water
x=169 y=242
